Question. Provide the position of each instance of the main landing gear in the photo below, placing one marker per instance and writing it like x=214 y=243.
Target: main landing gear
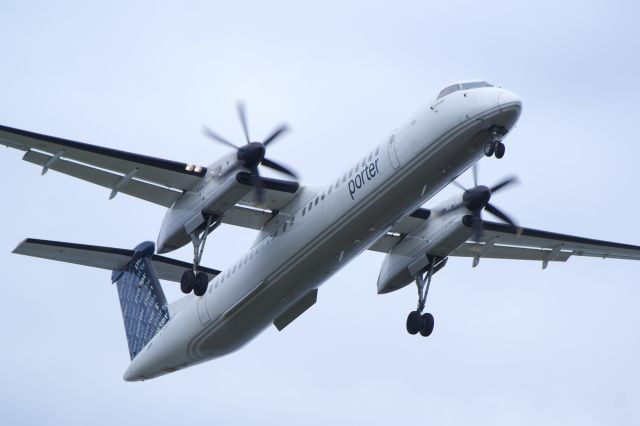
x=192 y=280
x=494 y=146
x=417 y=322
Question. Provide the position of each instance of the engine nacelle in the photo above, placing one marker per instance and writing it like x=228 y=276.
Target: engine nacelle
x=439 y=236
x=187 y=215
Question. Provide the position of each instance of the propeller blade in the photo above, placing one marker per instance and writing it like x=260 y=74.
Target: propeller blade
x=500 y=214
x=210 y=133
x=275 y=166
x=275 y=134
x=475 y=174
x=456 y=183
x=506 y=182
x=477 y=225
x=243 y=120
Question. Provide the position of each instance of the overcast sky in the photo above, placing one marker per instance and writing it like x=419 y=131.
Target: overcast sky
x=512 y=344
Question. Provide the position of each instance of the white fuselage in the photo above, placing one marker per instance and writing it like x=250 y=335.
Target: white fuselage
x=320 y=231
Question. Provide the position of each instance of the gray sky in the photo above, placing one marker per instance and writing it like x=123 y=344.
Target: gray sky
x=512 y=344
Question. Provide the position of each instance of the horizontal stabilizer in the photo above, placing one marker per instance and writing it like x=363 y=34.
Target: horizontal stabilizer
x=103 y=257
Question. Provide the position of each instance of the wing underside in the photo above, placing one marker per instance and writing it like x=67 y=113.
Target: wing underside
x=500 y=241
x=152 y=179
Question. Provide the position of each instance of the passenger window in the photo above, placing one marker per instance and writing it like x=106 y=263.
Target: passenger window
x=291 y=221
x=364 y=161
x=322 y=196
x=344 y=178
x=316 y=203
x=284 y=228
x=370 y=156
x=310 y=205
x=350 y=172
x=330 y=189
x=304 y=209
x=275 y=234
x=377 y=150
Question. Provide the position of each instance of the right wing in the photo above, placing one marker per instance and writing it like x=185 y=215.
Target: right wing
x=152 y=179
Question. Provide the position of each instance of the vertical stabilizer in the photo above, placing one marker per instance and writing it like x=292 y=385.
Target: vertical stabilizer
x=144 y=306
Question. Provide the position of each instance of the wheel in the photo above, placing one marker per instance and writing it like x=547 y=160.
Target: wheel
x=427 y=325
x=414 y=322
x=202 y=282
x=187 y=281
x=500 y=149
x=489 y=148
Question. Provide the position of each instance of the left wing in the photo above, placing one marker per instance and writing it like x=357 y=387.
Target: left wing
x=500 y=241
x=152 y=179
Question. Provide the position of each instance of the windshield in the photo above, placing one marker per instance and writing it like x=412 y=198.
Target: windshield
x=462 y=86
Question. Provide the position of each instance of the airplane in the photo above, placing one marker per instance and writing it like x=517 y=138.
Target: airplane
x=305 y=234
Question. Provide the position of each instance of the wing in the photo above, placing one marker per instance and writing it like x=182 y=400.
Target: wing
x=248 y=213
x=152 y=179
x=407 y=225
x=103 y=257
x=500 y=241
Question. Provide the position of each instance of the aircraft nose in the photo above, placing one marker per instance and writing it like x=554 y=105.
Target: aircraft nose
x=506 y=97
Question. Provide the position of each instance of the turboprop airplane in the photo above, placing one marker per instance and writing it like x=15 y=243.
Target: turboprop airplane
x=305 y=234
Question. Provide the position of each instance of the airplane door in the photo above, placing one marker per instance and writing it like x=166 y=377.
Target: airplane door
x=393 y=155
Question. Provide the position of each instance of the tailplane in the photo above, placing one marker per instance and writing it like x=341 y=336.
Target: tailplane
x=136 y=274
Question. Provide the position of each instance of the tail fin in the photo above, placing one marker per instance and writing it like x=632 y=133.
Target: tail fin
x=144 y=306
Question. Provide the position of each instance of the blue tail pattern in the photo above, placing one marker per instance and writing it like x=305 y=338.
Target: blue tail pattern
x=144 y=306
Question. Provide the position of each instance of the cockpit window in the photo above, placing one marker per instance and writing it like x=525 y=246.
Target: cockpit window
x=464 y=86
x=475 y=85
x=448 y=90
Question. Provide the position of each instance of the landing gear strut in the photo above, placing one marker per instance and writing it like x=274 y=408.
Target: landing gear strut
x=417 y=322
x=191 y=278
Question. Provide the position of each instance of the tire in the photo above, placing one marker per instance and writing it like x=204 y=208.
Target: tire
x=201 y=284
x=489 y=148
x=187 y=281
x=414 y=322
x=500 y=149
x=427 y=325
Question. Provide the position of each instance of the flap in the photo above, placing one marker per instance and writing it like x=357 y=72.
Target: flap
x=533 y=238
x=508 y=252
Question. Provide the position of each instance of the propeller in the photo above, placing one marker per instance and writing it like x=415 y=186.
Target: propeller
x=477 y=199
x=252 y=154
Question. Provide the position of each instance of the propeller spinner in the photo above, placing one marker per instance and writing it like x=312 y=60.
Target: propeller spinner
x=477 y=199
x=252 y=154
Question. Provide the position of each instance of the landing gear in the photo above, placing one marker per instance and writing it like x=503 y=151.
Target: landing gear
x=489 y=148
x=192 y=280
x=201 y=284
x=188 y=281
x=417 y=322
x=494 y=146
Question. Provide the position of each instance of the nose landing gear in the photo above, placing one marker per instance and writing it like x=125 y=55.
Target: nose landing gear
x=417 y=322
x=192 y=280
x=494 y=146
